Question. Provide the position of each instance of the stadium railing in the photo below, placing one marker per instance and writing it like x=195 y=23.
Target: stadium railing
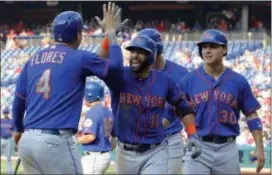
x=167 y=36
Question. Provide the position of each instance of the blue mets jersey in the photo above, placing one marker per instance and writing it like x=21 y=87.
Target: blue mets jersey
x=138 y=105
x=6 y=128
x=176 y=72
x=218 y=102
x=99 y=122
x=52 y=84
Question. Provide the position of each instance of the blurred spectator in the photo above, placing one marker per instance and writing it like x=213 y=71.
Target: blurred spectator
x=161 y=27
x=182 y=27
x=223 y=25
x=212 y=24
x=196 y=26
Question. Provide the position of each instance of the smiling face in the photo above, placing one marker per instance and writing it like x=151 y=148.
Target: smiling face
x=138 y=59
x=212 y=54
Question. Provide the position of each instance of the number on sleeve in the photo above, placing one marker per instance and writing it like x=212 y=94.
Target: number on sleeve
x=43 y=84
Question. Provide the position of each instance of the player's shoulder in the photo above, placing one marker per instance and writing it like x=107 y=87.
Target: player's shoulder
x=93 y=112
x=192 y=75
x=86 y=53
x=106 y=110
x=238 y=78
x=69 y=52
x=160 y=73
x=177 y=67
x=162 y=76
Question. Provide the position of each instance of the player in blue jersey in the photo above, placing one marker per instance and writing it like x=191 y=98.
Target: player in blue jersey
x=138 y=101
x=50 y=90
x=6 y=138
x=96 y=131
x=219 y=94
x=174 y=126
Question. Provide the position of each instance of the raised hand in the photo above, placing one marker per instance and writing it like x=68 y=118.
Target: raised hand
x=111 y=17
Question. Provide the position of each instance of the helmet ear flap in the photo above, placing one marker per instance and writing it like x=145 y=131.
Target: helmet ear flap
x=151 y=58
x=200 y=50
x=159 y=48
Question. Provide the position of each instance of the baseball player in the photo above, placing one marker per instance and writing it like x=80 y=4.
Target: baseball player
x=138 y=100
x=219 y=94
x=172 y=131
x=6 y=138
x=51 y=88
x=97 y=128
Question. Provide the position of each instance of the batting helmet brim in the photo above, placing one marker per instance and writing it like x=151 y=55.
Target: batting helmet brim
x=210 y=41
x=131 y=47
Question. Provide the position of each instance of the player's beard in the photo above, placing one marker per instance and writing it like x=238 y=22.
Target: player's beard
x=143 y=66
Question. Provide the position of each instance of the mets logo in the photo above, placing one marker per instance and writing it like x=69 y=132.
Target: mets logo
x=138 y=39
x=207 y=36
x=87 y=123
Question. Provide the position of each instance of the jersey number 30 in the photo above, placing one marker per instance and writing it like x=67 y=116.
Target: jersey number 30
x=43 y=84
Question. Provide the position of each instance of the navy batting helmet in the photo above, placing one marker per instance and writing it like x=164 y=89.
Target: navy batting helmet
x=155 y=36
x=145 y=43
x=93 y=91
x=212 y=36
x=66 y=26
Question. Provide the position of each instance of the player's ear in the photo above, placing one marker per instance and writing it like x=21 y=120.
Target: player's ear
x=79 y=36
x=225 y=50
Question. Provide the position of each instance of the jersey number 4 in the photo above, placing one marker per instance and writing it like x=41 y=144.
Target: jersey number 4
x=43 y=84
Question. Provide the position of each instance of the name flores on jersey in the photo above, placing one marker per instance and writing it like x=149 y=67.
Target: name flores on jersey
x=48 y=57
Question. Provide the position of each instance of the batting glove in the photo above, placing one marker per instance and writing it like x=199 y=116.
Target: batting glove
x=193 y=142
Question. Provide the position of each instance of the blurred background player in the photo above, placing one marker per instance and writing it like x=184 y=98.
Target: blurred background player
x=6 y=138
x=52 y=106
x=96 y=131
x=172 y=122
x=219 y=94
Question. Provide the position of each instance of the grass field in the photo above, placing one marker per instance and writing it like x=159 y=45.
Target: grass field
x=21 y=170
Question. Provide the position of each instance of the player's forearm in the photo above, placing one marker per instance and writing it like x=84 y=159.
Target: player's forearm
x=255 y=126
x=85 y=139
x=258 y=138
x=111 y=34
x=115 y=58
x=189 y=124
x=110 y=38
x=18 y=111
x=113 y=143
x=104 y=52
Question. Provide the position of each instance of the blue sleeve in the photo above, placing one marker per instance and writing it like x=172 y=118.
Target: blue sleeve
x=92 y=64
x=184 y=85
x=91 y=123
x=113 y=132
x=169 y=112
x=247 y=101
x=177 y=98
x=21 y=83
x=18 y=106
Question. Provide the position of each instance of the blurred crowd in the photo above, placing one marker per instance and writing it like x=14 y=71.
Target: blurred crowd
x=254 y=65
x=229 y=20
